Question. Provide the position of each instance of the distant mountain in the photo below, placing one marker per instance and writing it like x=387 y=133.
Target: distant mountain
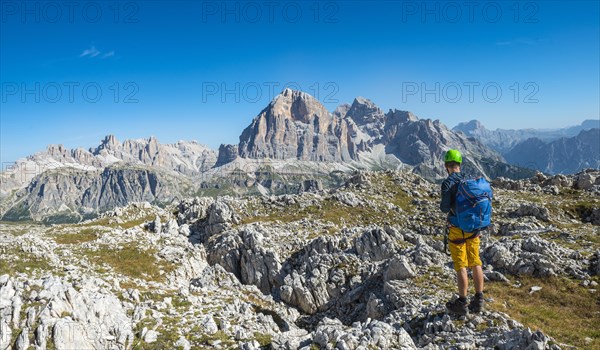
x=294 y=144
x=184 y=157
x=503 y=140
x=74 y=195
x=296 y=126
x=566 y=155
x=61 y=184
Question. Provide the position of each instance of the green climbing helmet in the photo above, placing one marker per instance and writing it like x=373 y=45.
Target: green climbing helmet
x=453 y=156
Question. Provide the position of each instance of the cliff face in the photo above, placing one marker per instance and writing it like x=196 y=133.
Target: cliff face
x=185 y=157
x=296 y=125
x=227 y=154
x=70 y=195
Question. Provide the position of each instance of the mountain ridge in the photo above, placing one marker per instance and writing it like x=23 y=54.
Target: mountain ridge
x=563 y=155
x=503 y=140
x=292 y=145
x=351 y=133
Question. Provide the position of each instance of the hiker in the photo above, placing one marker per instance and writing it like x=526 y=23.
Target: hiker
x=464 y=246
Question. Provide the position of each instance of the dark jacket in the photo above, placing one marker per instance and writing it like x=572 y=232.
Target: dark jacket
x=449 y=189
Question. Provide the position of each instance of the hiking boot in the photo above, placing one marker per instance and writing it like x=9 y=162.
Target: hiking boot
x=457 y=307
x=476 y=304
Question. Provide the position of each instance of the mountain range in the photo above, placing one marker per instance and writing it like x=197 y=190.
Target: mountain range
x=294 y=144
x=555 y=151
x=565 y=155
x=503 y=140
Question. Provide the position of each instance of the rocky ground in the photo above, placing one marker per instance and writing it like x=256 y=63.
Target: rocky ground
x=358 y=267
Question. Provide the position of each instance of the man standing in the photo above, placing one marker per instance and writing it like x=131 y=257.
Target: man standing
x=464 y=246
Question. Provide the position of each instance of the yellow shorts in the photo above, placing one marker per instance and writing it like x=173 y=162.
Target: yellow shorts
x=465 y=254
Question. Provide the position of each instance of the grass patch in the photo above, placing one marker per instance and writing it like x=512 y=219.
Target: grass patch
x=579 y=208
x=13 y=261
x=85 y=235
x=340 y=215
x=253 y=299
x=134 y=223
x=200 y=340
x=98 y=222
x=132 y=261
x=14 y=232
x=19 y=228
x=167 y=336
x=263 y=339
x=180 y=302
x=384 y=190
x=433 y=282
x=106 y=222
x=586 y=240
x=563 y=309
x=220 y=336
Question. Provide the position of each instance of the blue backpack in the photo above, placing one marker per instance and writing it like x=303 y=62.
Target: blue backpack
x=474 y=204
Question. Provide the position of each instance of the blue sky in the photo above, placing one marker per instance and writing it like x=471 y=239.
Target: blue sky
x=201 y=70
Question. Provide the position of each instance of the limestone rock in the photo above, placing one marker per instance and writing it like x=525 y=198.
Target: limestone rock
x=398 y=268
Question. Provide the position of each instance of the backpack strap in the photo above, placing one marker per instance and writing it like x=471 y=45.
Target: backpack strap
x=446 y=240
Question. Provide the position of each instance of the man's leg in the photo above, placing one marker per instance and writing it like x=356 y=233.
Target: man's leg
x=477 y=302
x=477 y=278
x=459 y=257
x=463 y=282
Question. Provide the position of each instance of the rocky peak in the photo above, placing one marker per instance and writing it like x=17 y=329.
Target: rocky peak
x=341 y=110
x=590 y=124
x=399 y=117
x=296 y=105
x=56 y=150
x=295 y=125
x=470 y=126
x=152 y=147
x=364 y=111
x=562 y=156
x=110 y=142
x=186 y=158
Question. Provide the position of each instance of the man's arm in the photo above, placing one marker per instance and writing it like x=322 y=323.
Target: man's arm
x=446 y=202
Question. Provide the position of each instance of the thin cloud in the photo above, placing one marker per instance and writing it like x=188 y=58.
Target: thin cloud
x=518 y=41
x=94 y=52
